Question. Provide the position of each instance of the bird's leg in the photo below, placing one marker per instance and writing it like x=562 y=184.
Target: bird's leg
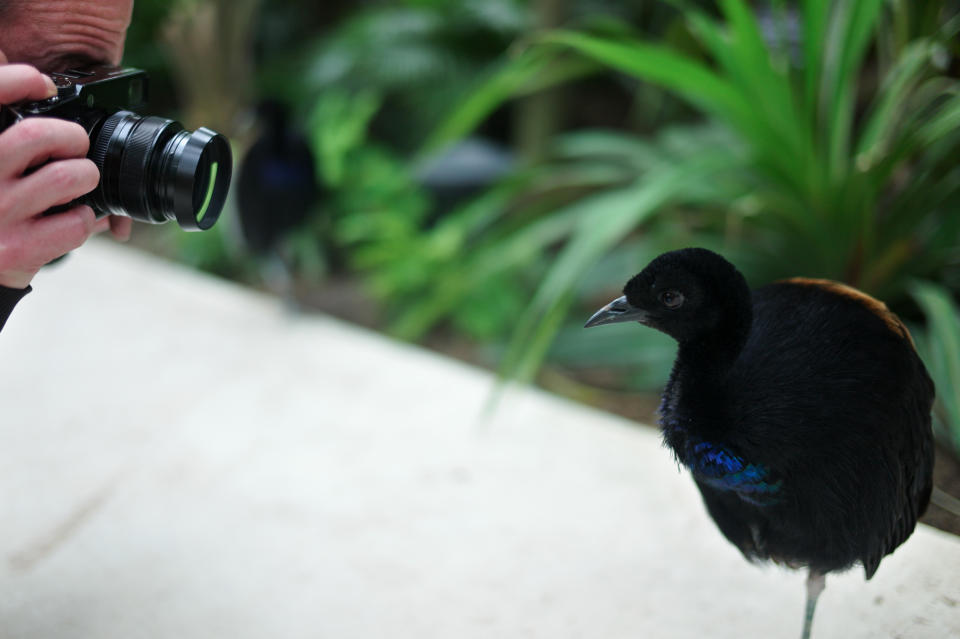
x=816 y=582
x=278 y=276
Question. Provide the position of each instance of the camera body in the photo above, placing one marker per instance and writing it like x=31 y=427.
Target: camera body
x=151 y=169
x=86 y=95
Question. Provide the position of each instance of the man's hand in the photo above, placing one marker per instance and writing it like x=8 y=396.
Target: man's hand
x=28 y=240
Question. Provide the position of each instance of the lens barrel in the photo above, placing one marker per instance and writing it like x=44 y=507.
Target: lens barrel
x=152 y=170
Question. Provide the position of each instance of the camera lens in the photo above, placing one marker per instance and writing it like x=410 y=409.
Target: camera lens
x=152 y=170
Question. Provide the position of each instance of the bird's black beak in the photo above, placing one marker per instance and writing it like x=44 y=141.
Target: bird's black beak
x=619 y=310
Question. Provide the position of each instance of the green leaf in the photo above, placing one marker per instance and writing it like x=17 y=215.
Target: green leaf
x=338 y=126
x=941 y=352
x=944 y=123
x=527 y=73
x=816 y=19
x=885 y=114
x=776 y=131
x=847 y=37
x=598 y=145
x=662 y=65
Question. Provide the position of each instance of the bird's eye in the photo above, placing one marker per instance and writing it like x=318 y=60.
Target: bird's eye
x=671 y=299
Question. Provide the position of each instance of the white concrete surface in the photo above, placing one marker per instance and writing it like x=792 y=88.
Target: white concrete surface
x=182 y=458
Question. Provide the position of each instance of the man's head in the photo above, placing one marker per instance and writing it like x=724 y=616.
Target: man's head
x=54 y=35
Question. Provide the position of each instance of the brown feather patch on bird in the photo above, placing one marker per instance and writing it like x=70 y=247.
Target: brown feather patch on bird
x=874 y=305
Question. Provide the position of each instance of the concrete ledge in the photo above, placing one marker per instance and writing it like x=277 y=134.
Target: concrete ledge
x=183 y=458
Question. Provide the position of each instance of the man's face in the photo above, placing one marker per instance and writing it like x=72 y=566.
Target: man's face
x=54 y=35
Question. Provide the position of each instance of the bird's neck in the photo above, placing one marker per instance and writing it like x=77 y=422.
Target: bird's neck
x=695 y=391
x=711 y=353
x=694 y=399
x=699 y=375
x=708 y=357
x=707 y=361
x=690 y=400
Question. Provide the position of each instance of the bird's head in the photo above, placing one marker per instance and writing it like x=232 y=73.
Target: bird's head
x=688 y=294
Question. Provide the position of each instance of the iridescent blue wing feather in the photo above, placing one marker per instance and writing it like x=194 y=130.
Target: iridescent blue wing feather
x=718 y=467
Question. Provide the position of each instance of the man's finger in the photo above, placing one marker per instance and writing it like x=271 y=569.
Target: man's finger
x=33 y=141
x=54 y=235
x=51 y=185
x=37 y=241
x=121 y=227
x=20 y=82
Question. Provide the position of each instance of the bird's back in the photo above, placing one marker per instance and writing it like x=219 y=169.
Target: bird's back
x=829 y=394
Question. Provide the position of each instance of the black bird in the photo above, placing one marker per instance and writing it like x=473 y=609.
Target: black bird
x=276 y=186
x=801 y=409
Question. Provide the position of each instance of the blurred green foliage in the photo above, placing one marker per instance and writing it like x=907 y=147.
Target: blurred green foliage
x=833 y=154
x=939 y=345
x=814 y=138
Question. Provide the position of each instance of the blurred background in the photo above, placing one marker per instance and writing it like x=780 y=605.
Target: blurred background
x=478 y=177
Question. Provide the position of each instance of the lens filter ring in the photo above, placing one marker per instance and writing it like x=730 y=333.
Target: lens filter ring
x=198 y=177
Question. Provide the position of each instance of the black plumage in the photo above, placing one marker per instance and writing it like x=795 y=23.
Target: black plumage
x=801 y=409
x=276 y=184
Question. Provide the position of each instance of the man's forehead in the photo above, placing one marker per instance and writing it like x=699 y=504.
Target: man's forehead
x=57 y=34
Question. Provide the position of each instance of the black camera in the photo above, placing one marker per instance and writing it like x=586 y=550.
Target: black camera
x=151 y=169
